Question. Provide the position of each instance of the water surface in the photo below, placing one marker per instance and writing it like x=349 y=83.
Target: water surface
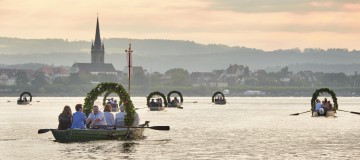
x=245 y=128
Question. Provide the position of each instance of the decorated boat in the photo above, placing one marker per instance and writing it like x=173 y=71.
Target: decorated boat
x=160 y=102
x=175 y=102
x=218 y=98
x=75 y=135
x=22 y=100
x=328 y=112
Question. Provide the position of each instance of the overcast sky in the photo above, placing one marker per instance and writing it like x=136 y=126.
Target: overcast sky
x=263 y=24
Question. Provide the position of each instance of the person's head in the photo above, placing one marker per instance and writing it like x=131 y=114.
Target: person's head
x=122 y=108
x=107 y=108
x=175 y=98
x=95 y=109
x=67 y=110
x=317 y=101
x=325 y=100
x=78 y=107
x=152 y=100
x=328 y=102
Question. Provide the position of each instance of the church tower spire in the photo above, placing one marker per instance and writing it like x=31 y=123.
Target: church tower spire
x=97 y=48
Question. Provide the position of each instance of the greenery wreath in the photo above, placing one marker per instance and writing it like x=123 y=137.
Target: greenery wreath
x=217 y=93
x=106 y=95
x=111 y=87
x=321 y=91
x=28 y=93
x=152 y=94
x=175 y=92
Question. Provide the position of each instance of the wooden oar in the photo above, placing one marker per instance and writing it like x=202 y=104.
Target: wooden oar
x=162 y=128
x=296 y=114
x=180 y=107
x=350 y=111
x=41 y=131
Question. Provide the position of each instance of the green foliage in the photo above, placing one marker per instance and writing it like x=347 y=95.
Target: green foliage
x=179 y=77
x=321 y=91
x=111 y=87
x=216 y=94
x=106 y=95
x=21 y=78
x=156 y=93
x=175 y=92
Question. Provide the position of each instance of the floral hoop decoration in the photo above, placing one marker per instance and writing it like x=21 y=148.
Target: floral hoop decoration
x=106 y=95
x=175 y=92
x=217 y=93
x=115 y=88
x=24 y=93
x=321 y=91
x=156 y=93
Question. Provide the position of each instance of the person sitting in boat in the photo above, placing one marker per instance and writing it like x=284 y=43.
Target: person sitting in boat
x=330 y=107
x=160 y=102
x=318 y=105
x=65 y=118
x=153 y=103
x=79 y=119
x=96 y=117
x=175 y=101
x=119 y=118
x=25 y=99
x=109 y=117
x=136 y=120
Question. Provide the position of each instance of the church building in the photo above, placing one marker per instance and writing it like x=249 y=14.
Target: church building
x=97 y=64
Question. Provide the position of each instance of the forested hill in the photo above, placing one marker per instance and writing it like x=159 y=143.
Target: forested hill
x=161 y=55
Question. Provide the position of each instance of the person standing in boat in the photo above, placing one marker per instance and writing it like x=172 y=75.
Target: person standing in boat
x=96 y=117
x=65 y=118
x=109 y=117
x=79 y=119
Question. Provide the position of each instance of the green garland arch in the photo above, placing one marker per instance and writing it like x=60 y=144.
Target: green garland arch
x=156 y=93
x=216 y=93
x=28 y=93
x=106 y=95
x=321 y=91
x=111 y=87
x=175 y=92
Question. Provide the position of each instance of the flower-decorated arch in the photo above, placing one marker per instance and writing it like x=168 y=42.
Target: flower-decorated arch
x=113 y=88
x=107 y=94
x=175 y=92
x=26 y=93
x=321 y=91
x=156 y=93
x=217 y=93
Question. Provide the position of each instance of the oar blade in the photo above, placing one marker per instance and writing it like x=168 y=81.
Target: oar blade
x=41 y=131
x=162 y=128
x=295 y=114
x=180 y=107
x=355 y=113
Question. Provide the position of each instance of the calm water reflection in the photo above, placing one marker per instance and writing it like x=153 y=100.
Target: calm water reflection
x=246 y=128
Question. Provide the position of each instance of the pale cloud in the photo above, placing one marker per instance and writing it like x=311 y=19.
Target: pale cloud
x=267 y=24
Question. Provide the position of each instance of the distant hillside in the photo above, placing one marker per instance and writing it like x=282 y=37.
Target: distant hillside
x=161 y=55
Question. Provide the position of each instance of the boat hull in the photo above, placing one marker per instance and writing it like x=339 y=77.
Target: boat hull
x=175 y=105
x=75 y=135
x=220 y=102
x=156 y=108
x=328 y=114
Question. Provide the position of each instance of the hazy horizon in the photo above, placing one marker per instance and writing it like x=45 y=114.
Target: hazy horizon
x=267 y=25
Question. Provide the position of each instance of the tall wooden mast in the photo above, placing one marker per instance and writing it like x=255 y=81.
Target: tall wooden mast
x=128 y=53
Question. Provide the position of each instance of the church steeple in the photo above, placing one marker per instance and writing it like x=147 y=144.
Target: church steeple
x=97 y=48
x=97 y=34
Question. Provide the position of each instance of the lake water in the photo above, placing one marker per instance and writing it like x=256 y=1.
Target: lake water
x=245 y=128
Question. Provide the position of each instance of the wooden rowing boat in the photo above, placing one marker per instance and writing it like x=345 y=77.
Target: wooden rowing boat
x=157 y=108
x=328 y=114
x=75 y=135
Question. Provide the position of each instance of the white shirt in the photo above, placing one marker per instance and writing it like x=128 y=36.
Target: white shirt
x=109 y=118
x=99 y=115
x=119 y=119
